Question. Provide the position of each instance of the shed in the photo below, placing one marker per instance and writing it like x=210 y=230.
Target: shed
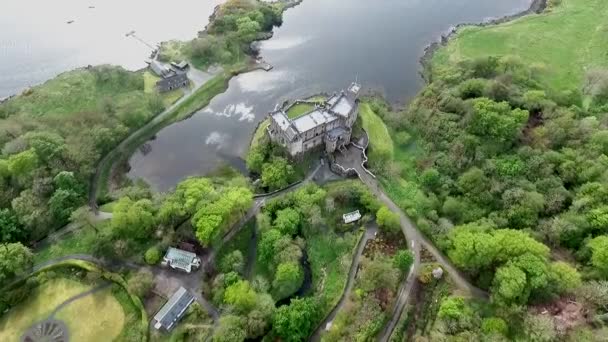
x=351 y=217
x=180 y=259
x=173 y=310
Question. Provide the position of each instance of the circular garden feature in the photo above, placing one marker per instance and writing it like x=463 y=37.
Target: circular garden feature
x=48 y=330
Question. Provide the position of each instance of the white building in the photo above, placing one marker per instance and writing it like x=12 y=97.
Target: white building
x=327 y=123
x=351 y=217
x=180 y=259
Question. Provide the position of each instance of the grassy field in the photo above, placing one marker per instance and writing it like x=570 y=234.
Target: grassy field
x=380 y=140
x=566 y=40
x=98 y=317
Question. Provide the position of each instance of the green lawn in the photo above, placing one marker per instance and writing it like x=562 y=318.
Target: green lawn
x=380 y=140
x=299 y=109
x=566 y=41
x=98 y=317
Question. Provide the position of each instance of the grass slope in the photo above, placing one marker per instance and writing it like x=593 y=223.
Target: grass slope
x=380 y=140
x=98 y=317
x=330 y=258
x=566 y=40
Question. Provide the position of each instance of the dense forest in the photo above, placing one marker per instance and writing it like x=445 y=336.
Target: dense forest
x=514 y=187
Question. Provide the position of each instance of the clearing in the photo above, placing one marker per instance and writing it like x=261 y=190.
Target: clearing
x=567 y=40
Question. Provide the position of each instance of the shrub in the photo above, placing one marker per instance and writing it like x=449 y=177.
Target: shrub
x=152 y=256
x=387 y=220
x=494 y=325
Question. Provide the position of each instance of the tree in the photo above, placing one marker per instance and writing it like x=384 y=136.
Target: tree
x=266 y=246
x=247 y=29
x=539 y=328
x=287 y=280
x=430 y=178
x=277 y=173
x=564 y=277
x=233 y=262
x=388 y=221
x=22 y=164
x=599 y=253
x=230 y=329
x=510 y=285
x=212 y=217
x=496 y=120
x=10 y=228
x=186 y=198
x=152 y=256
x=287 y=221
x=494 y=325
x=403 y=260
x=65 y=180
x=63 y=203
x=258 y=319
x=141 y=283
x=134 y=220
x=48 y=146
x=15 y=260
x=32 y=212
x=456 y=314
x=378 y=273
x=296 y=321
x=241 y=296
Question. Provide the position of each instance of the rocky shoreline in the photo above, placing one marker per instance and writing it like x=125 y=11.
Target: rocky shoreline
x=536 y=7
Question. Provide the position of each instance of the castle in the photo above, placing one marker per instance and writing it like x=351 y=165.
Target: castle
x=329 y=122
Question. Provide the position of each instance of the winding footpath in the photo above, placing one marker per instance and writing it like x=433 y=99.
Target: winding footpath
x=416 y=241
x=370 y=234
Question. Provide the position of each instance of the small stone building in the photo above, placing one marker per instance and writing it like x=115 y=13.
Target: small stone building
x=329 y=123
x=170 y=78
x=175 y=81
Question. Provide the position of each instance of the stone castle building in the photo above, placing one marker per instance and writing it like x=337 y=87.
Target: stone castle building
x=329 y=123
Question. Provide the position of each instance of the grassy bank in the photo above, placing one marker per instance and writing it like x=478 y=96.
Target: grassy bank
x=380 y=141
x=562 y=43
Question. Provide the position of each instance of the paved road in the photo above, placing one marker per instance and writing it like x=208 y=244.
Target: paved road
x=199 y=78
x=370 y=233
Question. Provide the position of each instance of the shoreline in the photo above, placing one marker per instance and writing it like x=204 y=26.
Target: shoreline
x=114 y=158
x=536 y=7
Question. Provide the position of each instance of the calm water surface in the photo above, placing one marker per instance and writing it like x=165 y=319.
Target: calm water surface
x=37 y=43
x=321 y=47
